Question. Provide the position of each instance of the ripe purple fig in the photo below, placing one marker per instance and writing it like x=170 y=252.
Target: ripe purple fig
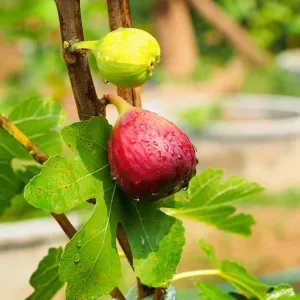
x=150 y=157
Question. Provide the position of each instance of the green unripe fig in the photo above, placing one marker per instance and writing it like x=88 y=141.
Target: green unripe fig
x=126 y=57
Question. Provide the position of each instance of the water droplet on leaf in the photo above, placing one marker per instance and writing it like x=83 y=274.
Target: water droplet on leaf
x=76 y=258
x=79 y=244
x=136 y=198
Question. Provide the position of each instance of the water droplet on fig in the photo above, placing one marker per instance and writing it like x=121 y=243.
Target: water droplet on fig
x=133 y=141
x=143 y=127
x=136 y=198
x=76 y=258
x=186 y=186
x=154 y=194
x=79 y=244
x=145 y=141
x=180 y=157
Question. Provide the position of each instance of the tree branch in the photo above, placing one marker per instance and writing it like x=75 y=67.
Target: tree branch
x=77 y=63
x=235 y=34
x=65 y=224
x=119 y=16
x=37 y=154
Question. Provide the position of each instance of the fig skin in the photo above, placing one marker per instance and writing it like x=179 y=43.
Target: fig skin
x=125 y=57
x=149 y=156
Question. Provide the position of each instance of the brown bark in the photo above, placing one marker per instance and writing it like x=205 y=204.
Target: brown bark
x=175 y=33
x=235 y=34
x=77 y=64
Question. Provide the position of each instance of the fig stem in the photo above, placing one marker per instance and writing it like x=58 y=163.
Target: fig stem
x=121 y=104
x=197 y=273
x=83 y=46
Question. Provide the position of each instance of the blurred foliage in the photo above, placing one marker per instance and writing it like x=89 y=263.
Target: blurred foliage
x=272 y=80
x=197 y=118
x=289 y=198
x=21 y=210
x=273 y=24
x=31 y=28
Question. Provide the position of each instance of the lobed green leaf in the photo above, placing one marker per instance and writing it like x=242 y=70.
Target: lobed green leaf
x=206 y=200
x=45 y=279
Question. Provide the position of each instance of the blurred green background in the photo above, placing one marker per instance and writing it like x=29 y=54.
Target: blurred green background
x=32 y=63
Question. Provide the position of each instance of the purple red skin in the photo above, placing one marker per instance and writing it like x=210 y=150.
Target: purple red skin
x=149 y=156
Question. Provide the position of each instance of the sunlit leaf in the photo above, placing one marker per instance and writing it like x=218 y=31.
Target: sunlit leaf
x=207 y=199
x=282 y=292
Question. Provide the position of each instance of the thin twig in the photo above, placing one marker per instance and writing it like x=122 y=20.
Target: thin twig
x=20 y=137
x=65 y=224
